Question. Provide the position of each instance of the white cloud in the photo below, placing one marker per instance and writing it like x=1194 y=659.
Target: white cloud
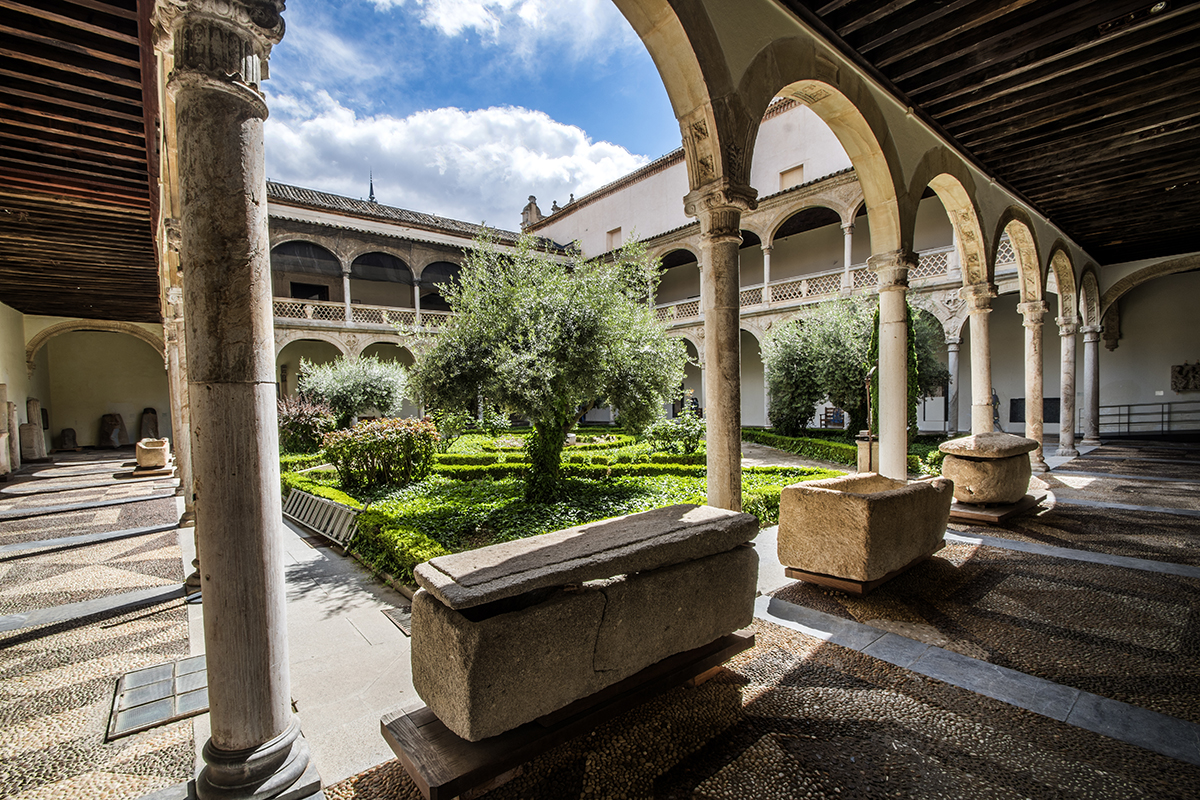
x=583 y=28
x=469 y=165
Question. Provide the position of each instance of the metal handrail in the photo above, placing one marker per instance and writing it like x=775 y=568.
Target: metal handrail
x=1164 y=417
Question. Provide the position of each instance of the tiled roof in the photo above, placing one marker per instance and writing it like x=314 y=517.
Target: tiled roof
x=296 y=195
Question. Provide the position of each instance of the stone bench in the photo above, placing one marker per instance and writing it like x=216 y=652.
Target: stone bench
x=856 y=532
x=506 y=634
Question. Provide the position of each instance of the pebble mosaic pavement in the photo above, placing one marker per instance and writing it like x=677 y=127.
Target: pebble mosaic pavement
x=57 y=681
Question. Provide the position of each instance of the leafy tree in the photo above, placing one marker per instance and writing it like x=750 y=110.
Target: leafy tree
x=828 y=354
x=350 y=386
x=302 y=424
x=549 y=337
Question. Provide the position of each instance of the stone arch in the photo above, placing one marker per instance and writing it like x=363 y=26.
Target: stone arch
x=791 y=67
x=718 y=130
x=1019 y=227
x=360 y=250
x=1135 y=279
x=1089 y=296
x=1064 y=275
x=39 y=339
x=284 y=337
x=432 y=276
x=662 y=251
x=395 y=342
x=293 y=260
x=782 y=217
x=960 y=207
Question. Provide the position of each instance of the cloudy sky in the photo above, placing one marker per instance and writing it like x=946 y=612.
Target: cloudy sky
x=462 y=108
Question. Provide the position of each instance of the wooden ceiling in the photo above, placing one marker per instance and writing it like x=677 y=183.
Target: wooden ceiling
x=76 y=237
x=1090 y=109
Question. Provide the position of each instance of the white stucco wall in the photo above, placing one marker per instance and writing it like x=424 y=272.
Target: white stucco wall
x=13 y=372
x=92 y=373
x=795 y=137
x=753 y=377
x=316 y=351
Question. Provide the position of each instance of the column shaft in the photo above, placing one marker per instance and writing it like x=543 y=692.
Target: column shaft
x=979 y=299
x=1091 y=385
x=346 y=292
x=952 y=345
x=892 y=271
x=417 y=300
x=847 y=255
x=255 y=749
x=719 y=209
x=766 y=254
x=1066 y=429
x=1031 y=314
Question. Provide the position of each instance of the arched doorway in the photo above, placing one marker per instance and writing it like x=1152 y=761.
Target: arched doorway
x=287 y=363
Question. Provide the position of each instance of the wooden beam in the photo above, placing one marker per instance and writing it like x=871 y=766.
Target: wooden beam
x=74 y=23
x=71 y=47
x=63 y=66
x=76 y=87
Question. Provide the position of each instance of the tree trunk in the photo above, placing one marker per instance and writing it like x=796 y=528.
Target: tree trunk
x=545 y=454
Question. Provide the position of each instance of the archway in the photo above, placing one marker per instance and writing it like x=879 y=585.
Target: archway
x=304 y=270
x=807 y=254
x=754 y=377
x=679 y=282
x=433 y=277
x=84 y=385
x=390 y=351
x=381 y=279
x=287 y=362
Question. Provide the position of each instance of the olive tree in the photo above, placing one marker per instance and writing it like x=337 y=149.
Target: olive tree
x=350 y=386
x=548 y=335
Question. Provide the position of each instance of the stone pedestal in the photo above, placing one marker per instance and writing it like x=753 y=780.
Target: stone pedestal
x=988 y=468
x=33 y=439
x=152 y=454
x=868 y=453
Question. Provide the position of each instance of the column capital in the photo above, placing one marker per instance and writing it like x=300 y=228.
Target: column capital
x=1032 y=312
x=1091 y=333
x=1067 y=326
x=952 y=342
x=221 y=45
x=767 y=248
x=848 y=228
x=719 y=206
x=891 y=269
x=978 y=297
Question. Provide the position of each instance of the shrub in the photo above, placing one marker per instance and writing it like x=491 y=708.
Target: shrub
x=680 y=435
x=302 y=423
x=394 y=549
x=382 y=452
x=818 y=449
x=352 y=385
x=450 y=426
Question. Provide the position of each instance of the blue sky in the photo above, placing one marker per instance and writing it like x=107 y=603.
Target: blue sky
x=463 y=108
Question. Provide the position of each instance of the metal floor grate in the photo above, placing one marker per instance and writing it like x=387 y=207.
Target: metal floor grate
x=153 y=696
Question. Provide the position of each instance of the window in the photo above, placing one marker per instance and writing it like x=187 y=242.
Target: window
x=791 y=177
x=309 y=291
x=614 y=238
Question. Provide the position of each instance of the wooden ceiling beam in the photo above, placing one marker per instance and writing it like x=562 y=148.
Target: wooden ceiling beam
x=61 y=103
x=104 y=8
x=86 y=190
x=74 y=23
x=59 y=44
x=89 y=124
x=75 y=88
x=59 y=65
x=71 y=143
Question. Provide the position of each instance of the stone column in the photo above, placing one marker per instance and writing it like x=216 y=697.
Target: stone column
x=1091 y=384
x=1067 y=327
x=221 y=50
x=979 y=305
x=417 y=301
x=1031 y=318
x=952 y=344
x=180 y=409
x=720 y=210
x=766 y=251
x=892 y=272
x=700 y=269
x=346 y=292
x=847 y=255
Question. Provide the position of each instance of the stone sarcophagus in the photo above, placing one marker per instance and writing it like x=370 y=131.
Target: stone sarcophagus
x=856 y=532
x=506 y=634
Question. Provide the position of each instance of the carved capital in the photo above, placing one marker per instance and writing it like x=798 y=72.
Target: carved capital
x=952 y=343
x=174 y=233
x=891 y=269
x=1067 y=326
x=719 y=207
x=1032 y=312
x=1091 y=333
x=978 y=297
x=222 y=45
x=848 y=228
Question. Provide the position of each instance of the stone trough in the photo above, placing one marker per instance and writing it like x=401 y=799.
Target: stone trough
x=508 y=634
x=856 y=532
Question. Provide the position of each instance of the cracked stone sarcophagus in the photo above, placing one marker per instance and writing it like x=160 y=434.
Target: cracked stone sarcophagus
x=506 y=634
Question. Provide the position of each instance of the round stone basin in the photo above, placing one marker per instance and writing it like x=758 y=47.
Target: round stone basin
x=988 y=468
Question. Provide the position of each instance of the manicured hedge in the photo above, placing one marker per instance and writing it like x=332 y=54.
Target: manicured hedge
x=294 y=462
x=821 y=450
x=678 y=458
x=393 y=549
x=763 y=502
x=309 y=482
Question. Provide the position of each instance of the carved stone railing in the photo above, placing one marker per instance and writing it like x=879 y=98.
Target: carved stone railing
x=291 y=313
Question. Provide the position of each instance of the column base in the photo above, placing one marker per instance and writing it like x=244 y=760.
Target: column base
x=1090 y=442
x=1066 y=452
x=1039 y=464
x=280 y=769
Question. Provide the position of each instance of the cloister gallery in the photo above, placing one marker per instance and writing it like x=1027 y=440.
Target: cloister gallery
x=1030 y=188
